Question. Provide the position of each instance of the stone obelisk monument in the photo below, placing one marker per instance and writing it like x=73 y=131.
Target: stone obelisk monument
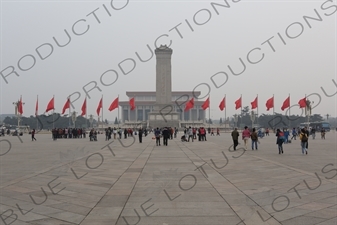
x=163 y=114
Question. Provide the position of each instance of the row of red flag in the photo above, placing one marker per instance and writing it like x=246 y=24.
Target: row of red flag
x=51 y=106
x=189 y=105
x=238 y=103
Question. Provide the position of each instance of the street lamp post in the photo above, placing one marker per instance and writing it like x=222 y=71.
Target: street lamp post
x=91 y=119
x=252 y=117
x=308 y=110
x=73 y=118
x=236 y=120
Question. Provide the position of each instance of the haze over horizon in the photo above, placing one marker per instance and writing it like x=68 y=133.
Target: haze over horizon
x=286 y=47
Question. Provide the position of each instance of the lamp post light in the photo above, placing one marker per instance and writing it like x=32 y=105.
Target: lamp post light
x=327 y=117
x=73 y=118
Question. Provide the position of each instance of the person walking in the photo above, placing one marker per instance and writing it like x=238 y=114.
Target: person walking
x=294 y=133
x=190 y=134
x=140 y=135
x=323 y=133
x=114 y=132
x=254 y=138
x=245 y=136
x=304 y=141
x=267 y=131
x=157 y=135
x=166 y=135
x=235 y=137
x=313 y=132
x=125 y=133
x=33 y=135
x=279 y=140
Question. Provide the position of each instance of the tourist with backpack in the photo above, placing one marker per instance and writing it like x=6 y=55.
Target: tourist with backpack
x=254 y=138
x=304 y=141
x=157 y=135
x=280 y=140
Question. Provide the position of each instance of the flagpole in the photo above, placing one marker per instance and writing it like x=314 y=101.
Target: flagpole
x=118 y=112
x=69 y=110
x=306 y=110
x=102 y=114
x=37 y=121
x=289 y=112
x=209 y=112
x=53 y=109
x=257 y=109
x=241 y=109
x=225 y=112
x=273 y=114
x=86 y=113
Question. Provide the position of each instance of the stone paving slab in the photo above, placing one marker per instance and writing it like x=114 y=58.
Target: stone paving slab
x=81 y=182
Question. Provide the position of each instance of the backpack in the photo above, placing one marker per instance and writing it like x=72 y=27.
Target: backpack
x=281 y=136
x=304 y=137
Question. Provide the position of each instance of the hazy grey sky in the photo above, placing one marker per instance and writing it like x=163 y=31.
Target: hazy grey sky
x=299 y=59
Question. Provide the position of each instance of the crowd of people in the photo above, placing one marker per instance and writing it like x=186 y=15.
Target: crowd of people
x=59 y=133
x=191 y=133
x=282 y=137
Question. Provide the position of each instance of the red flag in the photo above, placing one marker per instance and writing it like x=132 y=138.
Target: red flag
x=66 y=106
x=270 y=103
x=84 y=107
x=50 y=105
x=189 y=105
x=114 y=105
x=222 y=104
x=132 y=103
x=286 y=104
x=254 y=103
x=36 y=107
x=99 y=107
x=20 y=108
x=238 y=103
x=206 y=104
x=302 y=102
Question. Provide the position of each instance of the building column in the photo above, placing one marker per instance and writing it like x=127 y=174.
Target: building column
x=197 y=112
x=143 y=113
x=129 y=116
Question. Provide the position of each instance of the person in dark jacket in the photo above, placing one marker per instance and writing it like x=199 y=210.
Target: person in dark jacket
x=254 y=138
x=235 y=137
x=280 y=140
x=166 y=135
x=140 y=134
x=33 y=135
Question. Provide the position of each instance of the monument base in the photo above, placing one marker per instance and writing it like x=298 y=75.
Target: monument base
x=163 y=118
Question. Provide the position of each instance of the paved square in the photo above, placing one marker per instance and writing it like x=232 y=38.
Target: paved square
x=75 y=181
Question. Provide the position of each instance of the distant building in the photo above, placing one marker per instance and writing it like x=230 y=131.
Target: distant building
x=145 y=100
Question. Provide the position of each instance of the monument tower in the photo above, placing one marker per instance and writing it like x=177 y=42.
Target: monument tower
x=163 y=114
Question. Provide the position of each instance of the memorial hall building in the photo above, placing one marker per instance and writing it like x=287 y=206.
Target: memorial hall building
x=145 y=101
